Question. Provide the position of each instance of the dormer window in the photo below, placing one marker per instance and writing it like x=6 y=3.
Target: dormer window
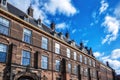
x=39 y=23
x=26 y=18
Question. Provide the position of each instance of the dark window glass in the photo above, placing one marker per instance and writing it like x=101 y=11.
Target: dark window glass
x=4 y=26
x=44 y=43
x=3 y=52
x=44 y=62
x=57 y=65
x=25 y=58
x=27 y=36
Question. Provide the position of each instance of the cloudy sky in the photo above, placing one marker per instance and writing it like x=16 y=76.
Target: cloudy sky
x=96 y=23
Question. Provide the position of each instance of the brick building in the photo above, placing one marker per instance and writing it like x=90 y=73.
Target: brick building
x=29 y=50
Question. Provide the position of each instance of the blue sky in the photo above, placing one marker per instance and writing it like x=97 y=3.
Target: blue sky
x=96 y=23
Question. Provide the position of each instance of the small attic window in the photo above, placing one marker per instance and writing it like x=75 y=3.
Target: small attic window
x=26 y=18
x=39 y=23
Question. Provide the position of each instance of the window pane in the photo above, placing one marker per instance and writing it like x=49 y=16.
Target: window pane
x=57 y=48
x=75 y=56
x=27 y=35
x=57 y=65
x=44 y=62
x=80 y=58
x=3 y=52
x=69 y=68
x=68 y=52
x=4 y=26
x=44 y=43
x=25 y=58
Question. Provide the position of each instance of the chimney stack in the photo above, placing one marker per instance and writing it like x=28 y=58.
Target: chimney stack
x=52 y=25
x=39 y=22
x=81 y=46
x=67 y=35
x=107 y=63
x=3 y=3
x=90 y=52
x=30 y=11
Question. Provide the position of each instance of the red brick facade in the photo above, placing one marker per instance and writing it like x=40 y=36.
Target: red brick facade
x=13 y=69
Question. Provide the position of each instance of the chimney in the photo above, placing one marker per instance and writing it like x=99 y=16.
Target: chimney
x=81 y=46
x=39 y=22
x=107 y=63
x=67 y=35
x=30 y=11
x=52 y=25
x=3 y=3
x=90 y=52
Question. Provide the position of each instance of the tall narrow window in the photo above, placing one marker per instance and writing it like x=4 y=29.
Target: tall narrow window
x=69 y=68
x=80 y=58
x=27 y=34
x=75 y=56
x=86 y=72
x=57 y=48
x=44 y=43
x=44 y=62
x=85 y=60
x=90 y=63
x=57 y=65
x=4 y=26
x=25 y=58
x=93 y=63
x=68 y=53
x=75 y=69
x=3 y=52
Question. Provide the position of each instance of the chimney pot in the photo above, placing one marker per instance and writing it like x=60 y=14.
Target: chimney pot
x=30 y=11
x=67 y=35
x=52 y=25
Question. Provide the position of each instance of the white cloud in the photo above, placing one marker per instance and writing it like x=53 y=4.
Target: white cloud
x=61 y=26
x=73 y=31
x=117 y=11
x=98 y=54
x=111 y=25
x=62 y=6
x=115 y=54
x=104 y=6
x=85 y=42
x=113 y=60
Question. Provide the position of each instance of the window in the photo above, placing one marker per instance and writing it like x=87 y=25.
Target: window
x=57 y=65
x=90 y=63
x=3 y=52
x=44 y=62
x=80 y=58
x=75 y=56
x=93 y=63
x=86 y=72
x=4 y=26
x=75 y=69
x=27 y=35
x=25 y=58
x=44 y=43
x=68 y=53
x=85 y=60
x=57 y=48
x=69 y=68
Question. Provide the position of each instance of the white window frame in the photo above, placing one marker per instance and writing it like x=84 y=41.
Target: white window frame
x=75 y=56
x=57 y=48
x=68 y=53
x=44 y=44
x=81 y=58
